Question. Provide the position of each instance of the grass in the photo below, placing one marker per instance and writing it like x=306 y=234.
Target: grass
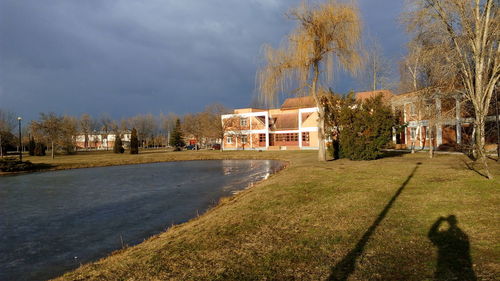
x=318 y=221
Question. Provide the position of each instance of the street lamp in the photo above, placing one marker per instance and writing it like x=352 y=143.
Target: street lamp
x=20 y=142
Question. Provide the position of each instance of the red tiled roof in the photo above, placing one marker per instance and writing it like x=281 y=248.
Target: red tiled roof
x=386 y=95
x=301 y=102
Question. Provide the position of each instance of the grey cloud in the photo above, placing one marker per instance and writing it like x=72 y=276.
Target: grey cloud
x=127 y=57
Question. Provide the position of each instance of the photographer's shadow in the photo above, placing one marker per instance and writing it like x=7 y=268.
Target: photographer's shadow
x=454 y=261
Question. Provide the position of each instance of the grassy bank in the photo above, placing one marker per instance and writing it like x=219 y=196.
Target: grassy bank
x=108 y=158
x=321 y=221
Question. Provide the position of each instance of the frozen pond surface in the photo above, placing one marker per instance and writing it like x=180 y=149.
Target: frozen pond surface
x=51 y=222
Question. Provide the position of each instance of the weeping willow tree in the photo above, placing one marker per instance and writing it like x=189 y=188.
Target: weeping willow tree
x=326 y=35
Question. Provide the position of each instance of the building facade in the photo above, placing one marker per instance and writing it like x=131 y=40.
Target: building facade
x=445 y=120
x=100 y=140
x=291 y=127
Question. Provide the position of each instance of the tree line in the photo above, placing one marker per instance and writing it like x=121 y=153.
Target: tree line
x=58 y=133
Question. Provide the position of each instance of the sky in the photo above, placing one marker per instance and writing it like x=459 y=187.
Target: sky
x=128 y=57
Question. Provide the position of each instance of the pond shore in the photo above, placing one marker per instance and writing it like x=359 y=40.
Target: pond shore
x=108 y=158
x=316 y=221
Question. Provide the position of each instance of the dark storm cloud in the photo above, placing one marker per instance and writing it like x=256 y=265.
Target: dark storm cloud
x=130 y=56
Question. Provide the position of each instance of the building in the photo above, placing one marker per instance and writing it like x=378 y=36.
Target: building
x=101 y=140
x=291 y=127
x=447 y=121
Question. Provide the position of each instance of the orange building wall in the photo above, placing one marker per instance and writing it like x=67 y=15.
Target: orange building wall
x=311 y=121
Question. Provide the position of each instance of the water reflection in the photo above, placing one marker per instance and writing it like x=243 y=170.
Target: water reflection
x=51 y=222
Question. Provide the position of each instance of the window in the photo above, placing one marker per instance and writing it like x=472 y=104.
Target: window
x=305 y=136
x=243 y=122
x=244 y=139
x=229 y=140
x=287 y=137
x=262 y=137
x=413 y=133
x=427 y=132
x=413 y=110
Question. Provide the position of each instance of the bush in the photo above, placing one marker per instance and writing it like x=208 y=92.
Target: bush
x=14 y=165
x=366 y=128
x=40 y=149
x=32 y=146
x=176 y=139
x=118 y=146
x=68 y=147
x=134 y=142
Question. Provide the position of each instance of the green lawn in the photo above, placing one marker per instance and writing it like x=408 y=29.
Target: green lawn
x=321 y=221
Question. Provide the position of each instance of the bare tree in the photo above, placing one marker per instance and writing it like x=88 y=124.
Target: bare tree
x=213 y=125
x=324 y=33
x=192 y=125
x=86 y=127
x=7 y=125
x=68 y=132
x=146 y=126
x=377 y=68
x=50 y=126
x=124 y=125
x=105 y=126
x=421 y=75
x=412 y=67
x=468 y=33
x=167 y=124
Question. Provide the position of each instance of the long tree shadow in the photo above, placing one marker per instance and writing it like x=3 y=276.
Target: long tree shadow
x=454 y=261
x=344 y=268
x=471 y=167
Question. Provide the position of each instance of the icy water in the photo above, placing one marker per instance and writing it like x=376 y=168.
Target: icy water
x=52 y=222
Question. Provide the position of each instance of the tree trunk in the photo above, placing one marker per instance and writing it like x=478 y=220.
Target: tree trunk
x=321 y=115
x=431 y=141
x=498 y=125
x=480 y=140
x=52 y=149
x=321 y=135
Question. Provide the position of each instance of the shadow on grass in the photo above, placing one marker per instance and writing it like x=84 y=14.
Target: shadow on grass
x=393 y=153
x=344 y=268
x=454 y=261
x=384 y=154
x=493 y=158
x=42 y=166
x=471 y=167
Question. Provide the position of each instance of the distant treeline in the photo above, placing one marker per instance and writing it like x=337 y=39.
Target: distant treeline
x=59 y=132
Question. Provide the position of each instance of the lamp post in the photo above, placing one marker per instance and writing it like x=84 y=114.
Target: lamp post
x=20 y=141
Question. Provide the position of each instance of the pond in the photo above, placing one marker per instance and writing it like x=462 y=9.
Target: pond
x=52 y=222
